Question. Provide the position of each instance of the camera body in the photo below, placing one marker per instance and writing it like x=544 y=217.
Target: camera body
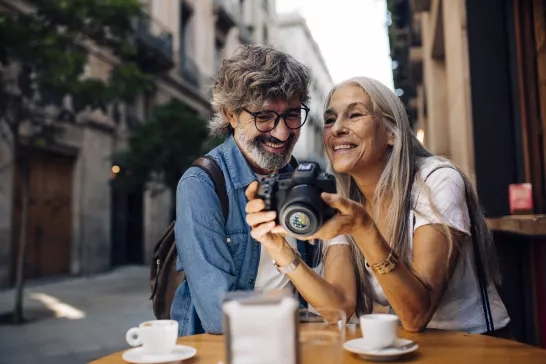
x=296 y=198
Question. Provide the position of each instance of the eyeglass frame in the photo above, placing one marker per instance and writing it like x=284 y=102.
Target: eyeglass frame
x=255 y=114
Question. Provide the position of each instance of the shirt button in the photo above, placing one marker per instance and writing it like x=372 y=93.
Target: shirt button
x=251 y=280
x=228 y=240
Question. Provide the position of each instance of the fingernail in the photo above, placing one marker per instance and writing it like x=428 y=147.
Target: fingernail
x=271 y=214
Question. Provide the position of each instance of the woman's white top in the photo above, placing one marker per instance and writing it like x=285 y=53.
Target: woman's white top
x=460 y=308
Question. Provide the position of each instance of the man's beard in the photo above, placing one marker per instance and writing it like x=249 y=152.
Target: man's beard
x=265 y=159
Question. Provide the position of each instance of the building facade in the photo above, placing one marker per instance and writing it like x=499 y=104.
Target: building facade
x=76 y=223
x=474 y=78
x=295 y=38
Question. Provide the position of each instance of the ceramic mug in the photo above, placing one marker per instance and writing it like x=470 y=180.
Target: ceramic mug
x=157 y=337
x=379 y=330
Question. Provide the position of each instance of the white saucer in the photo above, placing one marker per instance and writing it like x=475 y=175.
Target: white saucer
x=138 y=356
x=358 y=346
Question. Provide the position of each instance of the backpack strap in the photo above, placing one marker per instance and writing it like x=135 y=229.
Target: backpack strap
x=211 y=167
x=165 y=250
x=477 y=257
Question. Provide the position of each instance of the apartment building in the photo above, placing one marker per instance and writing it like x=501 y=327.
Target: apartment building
x=76 y=223
x=295 y=38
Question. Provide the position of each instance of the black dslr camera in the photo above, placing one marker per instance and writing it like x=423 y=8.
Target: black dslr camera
x=296 y=198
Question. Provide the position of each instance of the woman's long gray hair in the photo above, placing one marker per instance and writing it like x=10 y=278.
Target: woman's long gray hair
x=396 y=183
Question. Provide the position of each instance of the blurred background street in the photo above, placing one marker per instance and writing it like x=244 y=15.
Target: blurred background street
x=76 y=320
x=98 y=123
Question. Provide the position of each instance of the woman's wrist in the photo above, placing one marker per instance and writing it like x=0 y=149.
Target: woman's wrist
x=372 y=244
x=283 y=255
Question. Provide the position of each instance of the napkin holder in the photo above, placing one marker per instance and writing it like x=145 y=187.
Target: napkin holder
x=261 y=328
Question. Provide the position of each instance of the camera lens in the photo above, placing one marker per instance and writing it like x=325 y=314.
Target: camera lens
x=299 y=220
x=301 y=213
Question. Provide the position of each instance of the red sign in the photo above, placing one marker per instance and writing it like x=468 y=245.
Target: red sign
x=521 y=198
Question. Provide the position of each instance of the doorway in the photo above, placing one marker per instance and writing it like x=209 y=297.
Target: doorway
x=127 y=230
x=49 y=215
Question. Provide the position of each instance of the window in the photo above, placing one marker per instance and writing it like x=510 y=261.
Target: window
x=185 y=14
x=265 y=34
x=218 y=53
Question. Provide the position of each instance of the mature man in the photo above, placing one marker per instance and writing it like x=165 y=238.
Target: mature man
x=259 y=103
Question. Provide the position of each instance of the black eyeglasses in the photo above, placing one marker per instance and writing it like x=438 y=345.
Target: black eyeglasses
x=268 y=120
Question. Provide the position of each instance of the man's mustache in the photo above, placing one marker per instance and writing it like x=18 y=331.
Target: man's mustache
x=273 y=140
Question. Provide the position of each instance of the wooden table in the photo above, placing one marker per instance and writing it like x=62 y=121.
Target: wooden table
x=521 y=247
x=530 y=225
x=435 y=346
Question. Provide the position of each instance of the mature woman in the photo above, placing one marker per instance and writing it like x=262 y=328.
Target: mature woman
x=409 y=226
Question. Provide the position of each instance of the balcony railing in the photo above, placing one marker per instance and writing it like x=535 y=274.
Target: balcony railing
x=155 y=44
x=189 y=72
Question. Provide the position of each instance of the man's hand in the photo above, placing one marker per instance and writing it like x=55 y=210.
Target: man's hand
x=262 y=224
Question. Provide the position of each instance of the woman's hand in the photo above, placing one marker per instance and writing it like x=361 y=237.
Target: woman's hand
x=262 y=224
x=351 y=216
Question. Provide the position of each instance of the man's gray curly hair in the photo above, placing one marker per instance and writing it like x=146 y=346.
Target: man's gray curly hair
x=254 y=75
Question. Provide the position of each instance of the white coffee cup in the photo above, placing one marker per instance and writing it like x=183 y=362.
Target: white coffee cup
x=157 y=337
x=379 y=330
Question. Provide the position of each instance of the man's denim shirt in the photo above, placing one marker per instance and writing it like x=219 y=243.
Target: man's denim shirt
x=217 y=257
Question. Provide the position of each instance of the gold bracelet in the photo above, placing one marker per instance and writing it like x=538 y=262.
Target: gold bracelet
x=385 y=266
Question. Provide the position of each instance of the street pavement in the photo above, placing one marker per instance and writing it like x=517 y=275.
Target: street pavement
x=95 y=313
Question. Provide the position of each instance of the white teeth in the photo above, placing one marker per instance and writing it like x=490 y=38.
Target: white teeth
x=344 y=146
x=274 y=145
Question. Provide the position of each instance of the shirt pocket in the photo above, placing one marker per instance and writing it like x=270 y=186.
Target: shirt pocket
x=237 y=243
